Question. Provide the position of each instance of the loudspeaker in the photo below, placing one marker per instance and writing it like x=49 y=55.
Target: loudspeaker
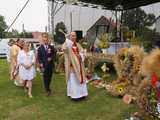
x=79 y=34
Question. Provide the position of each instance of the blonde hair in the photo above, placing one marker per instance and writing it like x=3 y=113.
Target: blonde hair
x=45 y=33
x=26 y=44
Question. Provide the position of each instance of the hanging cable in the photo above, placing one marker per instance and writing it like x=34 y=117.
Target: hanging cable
x=18 y=15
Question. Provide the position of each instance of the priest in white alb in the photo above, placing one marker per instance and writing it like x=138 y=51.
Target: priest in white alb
x=74 y=68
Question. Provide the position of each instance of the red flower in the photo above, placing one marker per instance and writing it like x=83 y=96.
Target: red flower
x=154 y=79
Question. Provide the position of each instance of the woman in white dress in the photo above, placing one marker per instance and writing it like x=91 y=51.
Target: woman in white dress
x=26 y=62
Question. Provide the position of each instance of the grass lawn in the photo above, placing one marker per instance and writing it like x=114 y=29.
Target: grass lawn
x=15 y=105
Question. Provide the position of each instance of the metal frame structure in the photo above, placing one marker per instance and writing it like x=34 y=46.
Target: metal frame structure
x=54 y=6
x=118 y=6
x=53 y=9
x=127 y=4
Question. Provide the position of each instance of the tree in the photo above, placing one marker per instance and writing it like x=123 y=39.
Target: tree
x=137 y=19
x=13 y=34
x=3 y=26
x=16 y=34
x=25 y=34
x=59 y=36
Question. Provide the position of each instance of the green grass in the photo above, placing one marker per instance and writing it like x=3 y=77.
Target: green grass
x=15 y=105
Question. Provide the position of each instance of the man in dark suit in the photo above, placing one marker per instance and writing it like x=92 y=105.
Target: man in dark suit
x=46 y=56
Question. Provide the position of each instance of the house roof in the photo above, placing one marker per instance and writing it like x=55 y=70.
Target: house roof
x=102 y=21
x=127 y=4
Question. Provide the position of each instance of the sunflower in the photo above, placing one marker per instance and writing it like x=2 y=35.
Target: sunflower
x=120 y=89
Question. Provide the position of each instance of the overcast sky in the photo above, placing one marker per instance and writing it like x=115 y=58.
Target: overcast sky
x=34 y=17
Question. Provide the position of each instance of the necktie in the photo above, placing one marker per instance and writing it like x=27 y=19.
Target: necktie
x=46 y=47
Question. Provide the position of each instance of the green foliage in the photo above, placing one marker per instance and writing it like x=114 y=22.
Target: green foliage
x=146 y=39
x=137 y=19
x=103 y=41
x=15 y=105
x=61 y=26
x=25 y=35
x=16 y=34
x=84 y=45
x=135 y=41
x=3 y=26
x=59 y=37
